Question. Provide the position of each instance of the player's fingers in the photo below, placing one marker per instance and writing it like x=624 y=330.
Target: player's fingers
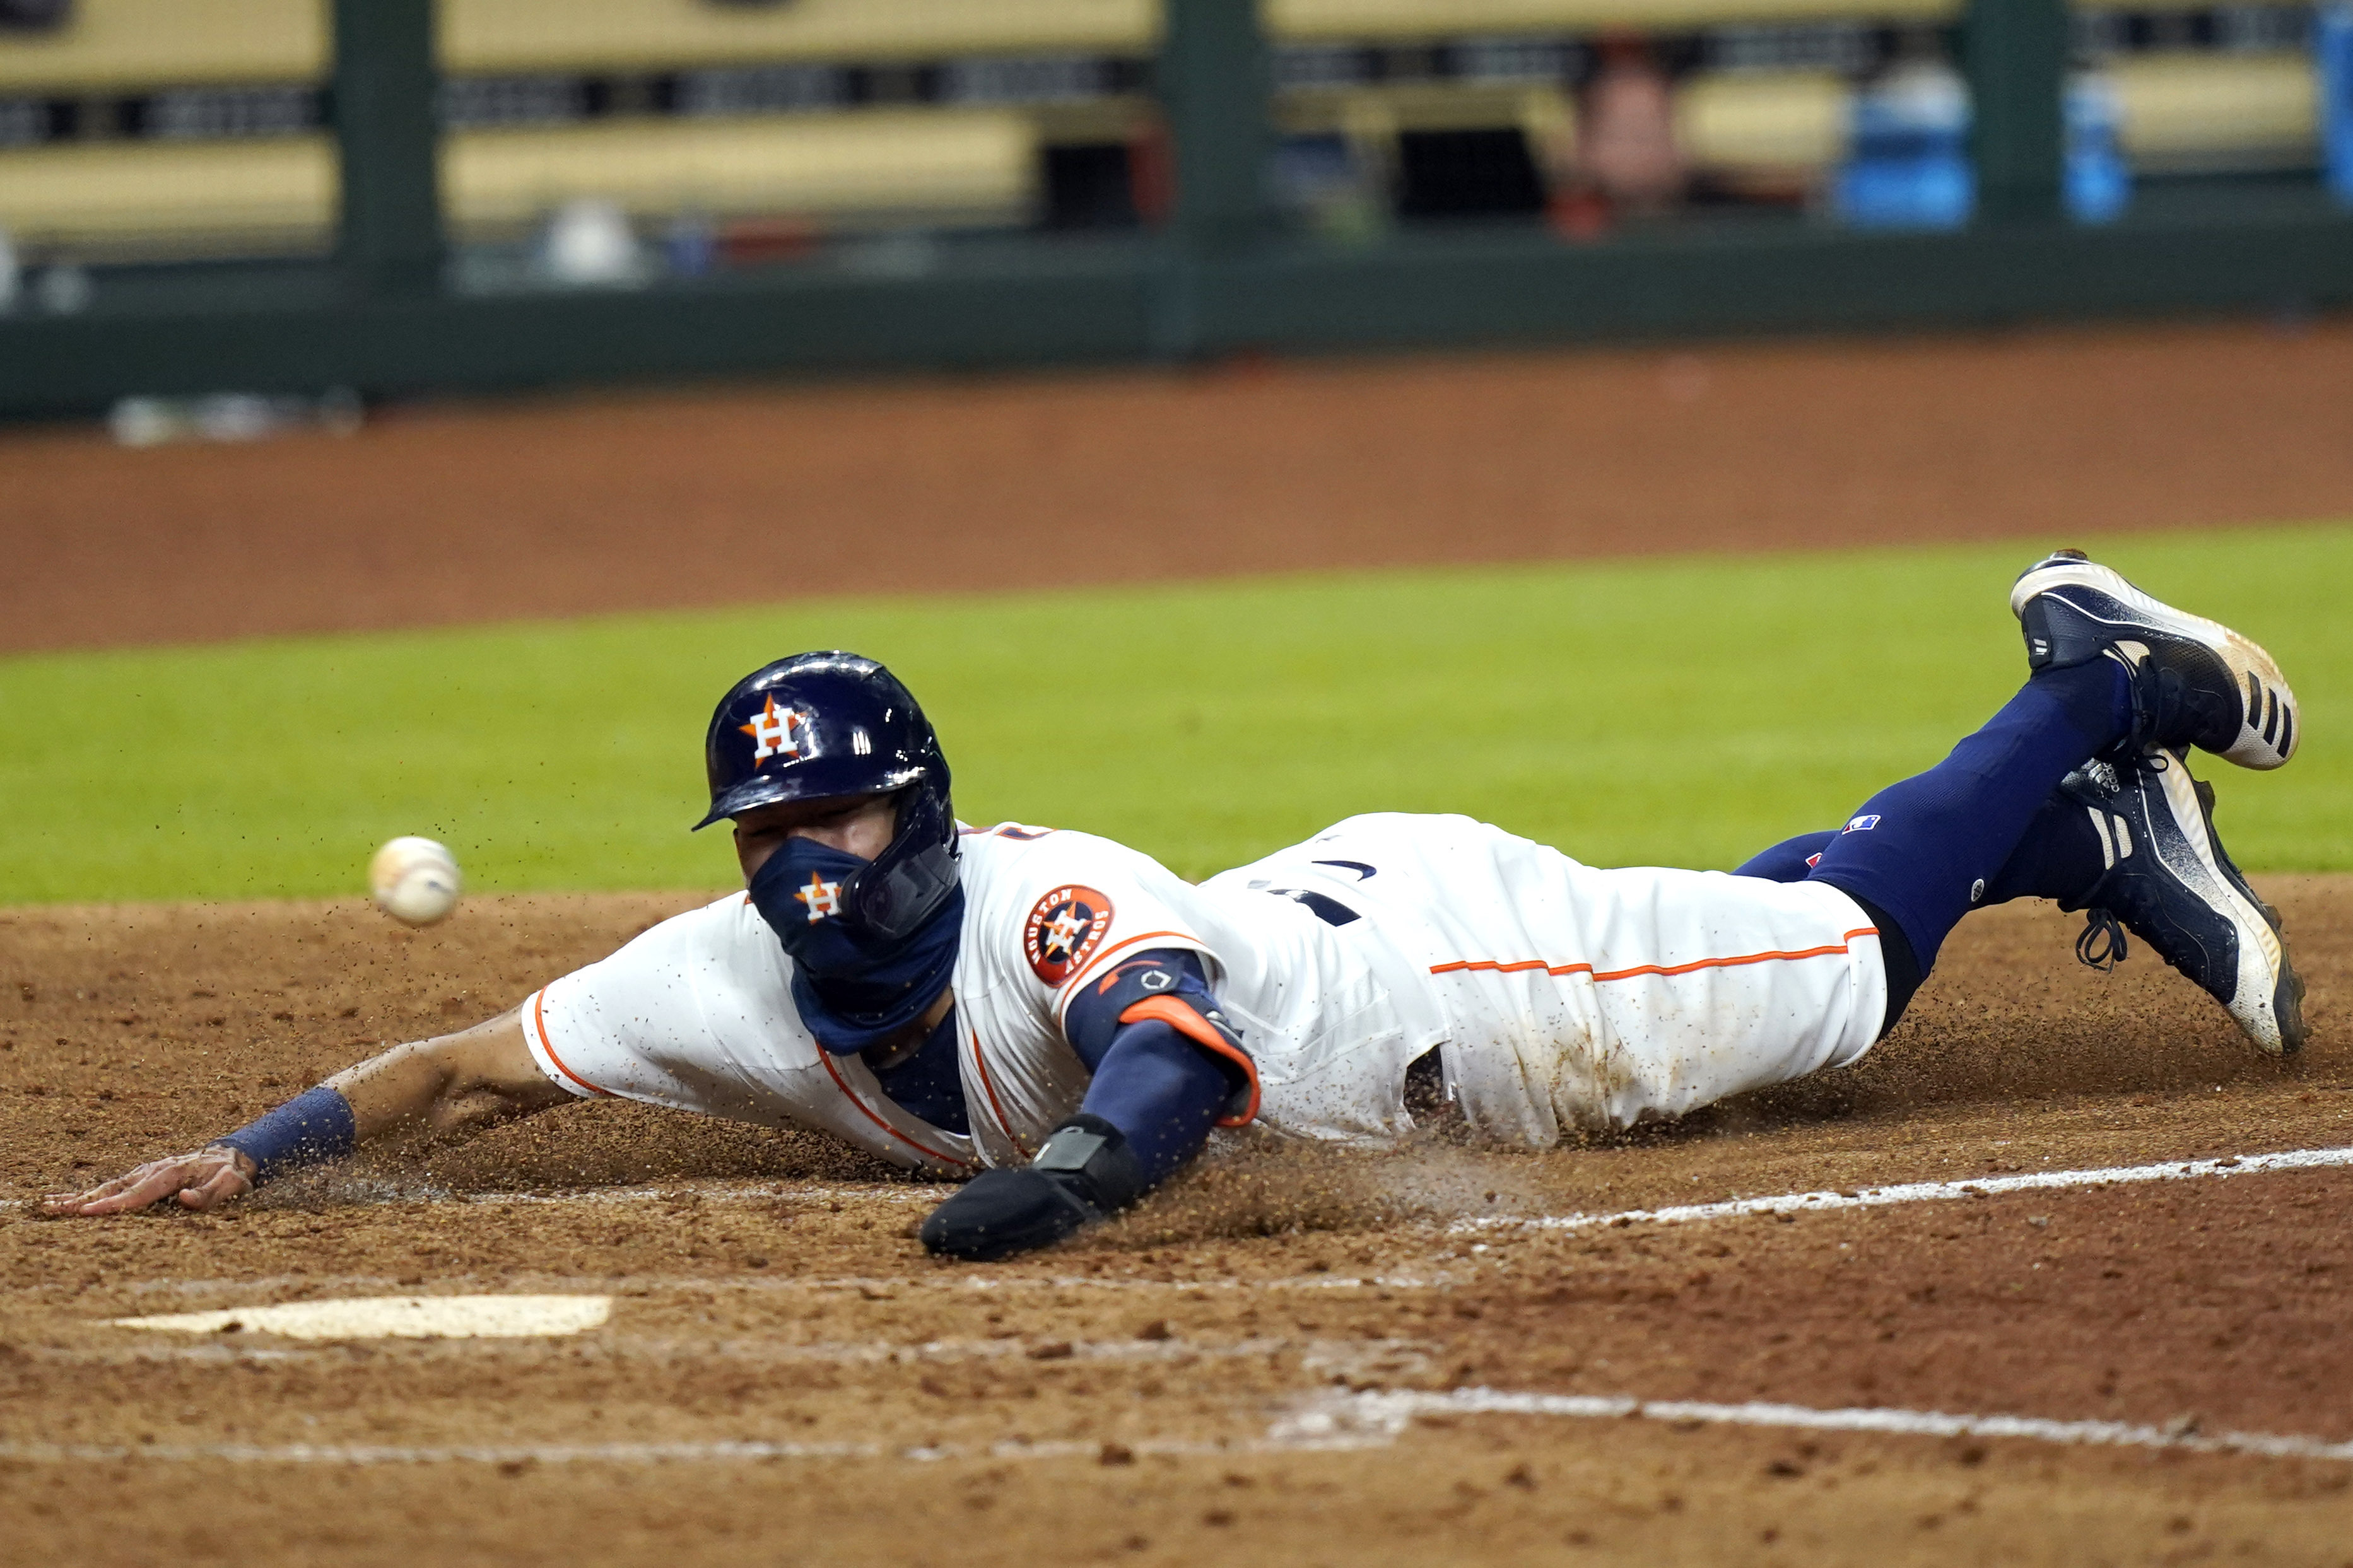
x=71 y=1203
x=138 y=1195
x=224 y=1185
x=154 y=1180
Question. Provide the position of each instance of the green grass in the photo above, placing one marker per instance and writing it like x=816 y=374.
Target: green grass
x=1684 y=712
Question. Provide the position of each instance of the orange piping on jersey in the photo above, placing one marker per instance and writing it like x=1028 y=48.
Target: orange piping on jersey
x=1070 y=986
x=1199 y=1030
x=1567 y=968
x=539 y=1022
x=851 y=1095
x=989 y=1087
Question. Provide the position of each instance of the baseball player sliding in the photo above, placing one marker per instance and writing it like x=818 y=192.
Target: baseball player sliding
x=1066 y=1022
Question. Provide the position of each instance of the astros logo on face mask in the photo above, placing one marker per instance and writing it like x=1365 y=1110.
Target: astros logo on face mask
x=1063 y=928
x=823 y=898
x=773 y=729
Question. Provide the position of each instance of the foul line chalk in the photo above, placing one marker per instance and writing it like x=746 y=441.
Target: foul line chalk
x=777 y=1281
x=372 y=1191
x=363 y=1454
x=1374 y=1415
x=1786 y=1203
x=1338 y=1422
x=1926 y=1192
x=1392 y=1357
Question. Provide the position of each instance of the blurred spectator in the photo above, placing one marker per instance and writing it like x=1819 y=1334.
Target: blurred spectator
x=1626 y=159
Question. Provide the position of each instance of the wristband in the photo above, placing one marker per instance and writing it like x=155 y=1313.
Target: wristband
x=311 y=1128
x=1091 y=1157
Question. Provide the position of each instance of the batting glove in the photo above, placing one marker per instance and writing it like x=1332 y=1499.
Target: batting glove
x=1084 y=1174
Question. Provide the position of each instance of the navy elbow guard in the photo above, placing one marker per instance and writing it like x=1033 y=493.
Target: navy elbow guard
x=1168 y=988
x=311 y=1128
x=1083 y=1173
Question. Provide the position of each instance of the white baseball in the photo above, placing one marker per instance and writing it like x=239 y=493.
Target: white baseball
x=415 y=881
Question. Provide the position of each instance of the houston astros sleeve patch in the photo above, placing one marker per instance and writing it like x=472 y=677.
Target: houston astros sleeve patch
x=1063 y=928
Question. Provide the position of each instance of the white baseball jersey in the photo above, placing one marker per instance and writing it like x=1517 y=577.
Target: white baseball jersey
x=1570 y=995
x=1565 y=995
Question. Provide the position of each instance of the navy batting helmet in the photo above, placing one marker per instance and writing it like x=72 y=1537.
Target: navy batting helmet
x=819 y=724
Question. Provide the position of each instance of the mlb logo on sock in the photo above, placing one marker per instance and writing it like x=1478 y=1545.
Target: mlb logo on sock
x=1863 y=824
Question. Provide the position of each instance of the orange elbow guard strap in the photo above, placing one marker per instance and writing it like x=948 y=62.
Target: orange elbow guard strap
x=1211 y=1032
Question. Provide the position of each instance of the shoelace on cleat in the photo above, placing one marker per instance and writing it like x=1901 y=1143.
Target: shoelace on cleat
x=2100 y=943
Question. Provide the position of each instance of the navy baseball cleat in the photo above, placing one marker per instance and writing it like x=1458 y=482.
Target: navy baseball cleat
x=2170 y=883
x=2194 y=682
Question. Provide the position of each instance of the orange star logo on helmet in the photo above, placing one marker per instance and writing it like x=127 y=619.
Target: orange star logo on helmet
x=772 y=728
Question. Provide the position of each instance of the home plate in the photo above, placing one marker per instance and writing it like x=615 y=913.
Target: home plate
x=396 y=1317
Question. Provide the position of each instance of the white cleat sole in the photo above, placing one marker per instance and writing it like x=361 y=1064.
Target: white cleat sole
x=2267 y=1002
x=2073 y=610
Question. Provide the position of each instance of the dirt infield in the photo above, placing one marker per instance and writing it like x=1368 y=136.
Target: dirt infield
x=456 y=513
x=784 y=1376
x=1291 y=1356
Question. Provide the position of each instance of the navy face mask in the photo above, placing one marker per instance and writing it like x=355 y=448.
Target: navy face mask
x=853 y=987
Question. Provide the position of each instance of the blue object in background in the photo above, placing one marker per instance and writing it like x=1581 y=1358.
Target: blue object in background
x=690 y=245
x=1324 y=181
x=1909 y=166
x=2332 y=49
x=2099 y=184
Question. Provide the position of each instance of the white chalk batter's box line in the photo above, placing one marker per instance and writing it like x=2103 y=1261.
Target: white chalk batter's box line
x=1784 y=1204
x=875 y=1287
x=1349 y=1421
x=1680 y=1214
x=1926 y=1191
x=1386 y=1414
x=361 y=1191
x=1387 y=1356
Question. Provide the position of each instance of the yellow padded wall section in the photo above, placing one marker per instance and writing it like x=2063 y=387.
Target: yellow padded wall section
x=125 y=44
x=171 y=196
x=2188 y=103
x=488 y=36
x=842 y=165
x=1422 y=19
x=1771 y=119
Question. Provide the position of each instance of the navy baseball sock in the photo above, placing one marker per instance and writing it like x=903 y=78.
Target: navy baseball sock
x=1791 y=860
x=1926 y=850
x=2059 y=857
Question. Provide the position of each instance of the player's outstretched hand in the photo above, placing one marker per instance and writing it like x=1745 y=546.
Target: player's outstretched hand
x=1083 y=1174
x=1000 y=1213
x=202 y=1180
